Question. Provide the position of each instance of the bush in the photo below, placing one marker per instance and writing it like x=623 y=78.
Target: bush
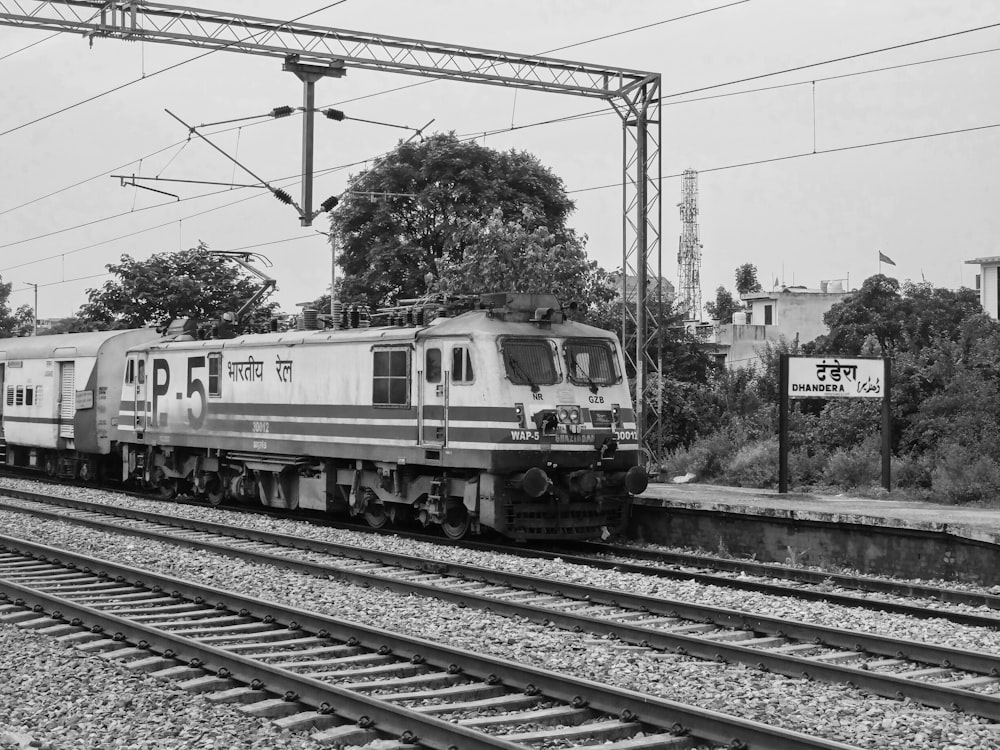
x=805 y=468
x=706 y=458
x=754 y=465
x=860 y=466
x=913 y=472
x=961 y=476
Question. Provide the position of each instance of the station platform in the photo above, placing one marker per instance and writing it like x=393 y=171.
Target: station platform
x=880 y=535
x=982 y=524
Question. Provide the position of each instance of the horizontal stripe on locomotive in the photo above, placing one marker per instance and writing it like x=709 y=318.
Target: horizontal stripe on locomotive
x=504 y=414
x=480 y=436
x=498 y=459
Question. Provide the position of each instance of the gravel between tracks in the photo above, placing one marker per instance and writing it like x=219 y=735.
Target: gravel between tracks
x=837 y=712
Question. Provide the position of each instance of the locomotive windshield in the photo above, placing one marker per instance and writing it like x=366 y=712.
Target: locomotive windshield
x=591 y=362
x=529 y=362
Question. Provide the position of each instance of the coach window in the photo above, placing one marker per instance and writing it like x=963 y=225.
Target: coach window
x=29 y=396
x=391 y=377
x=215 y=375
x=768 y=315
x=141 y=374
x=10 y=395
x=130 y=372
x=432 y=365
x=19 y=396
x=461 y=365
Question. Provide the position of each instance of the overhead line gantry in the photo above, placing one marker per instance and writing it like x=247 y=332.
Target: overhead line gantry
x=313 y=52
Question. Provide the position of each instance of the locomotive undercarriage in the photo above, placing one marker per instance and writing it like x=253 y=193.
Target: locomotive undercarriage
x=524 y=505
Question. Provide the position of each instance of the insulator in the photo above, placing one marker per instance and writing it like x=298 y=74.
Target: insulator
x=338 y=314
x=334 y=114
x=282 y=111
x=365 y=315
x=330 y=203
x=355 y=316
x=419 y=316
x=282 y=196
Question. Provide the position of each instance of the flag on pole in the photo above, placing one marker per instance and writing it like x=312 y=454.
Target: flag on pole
x=883 y=258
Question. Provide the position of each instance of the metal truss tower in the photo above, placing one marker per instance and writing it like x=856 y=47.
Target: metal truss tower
x=689 y=251
x=314 y=52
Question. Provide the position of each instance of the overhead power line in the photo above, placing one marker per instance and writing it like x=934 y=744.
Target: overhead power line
x=818 y=152
x=154 y=73
x=854 y=56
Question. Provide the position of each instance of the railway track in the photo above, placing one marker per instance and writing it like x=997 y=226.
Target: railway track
x=756 y=576
x=353 y=683
x=933 y=675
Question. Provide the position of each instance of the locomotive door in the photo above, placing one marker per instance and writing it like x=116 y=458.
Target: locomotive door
x=137 y=369
x=432 y=414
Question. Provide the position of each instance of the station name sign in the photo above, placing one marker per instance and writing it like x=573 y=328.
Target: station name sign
x=831 y=377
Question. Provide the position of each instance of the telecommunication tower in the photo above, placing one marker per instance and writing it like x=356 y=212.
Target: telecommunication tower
x=689 y=252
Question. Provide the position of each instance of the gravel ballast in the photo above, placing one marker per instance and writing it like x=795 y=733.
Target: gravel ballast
x=834 y=711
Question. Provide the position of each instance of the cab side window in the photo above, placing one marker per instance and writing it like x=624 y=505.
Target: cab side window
x=461 y=365
x=432 y=365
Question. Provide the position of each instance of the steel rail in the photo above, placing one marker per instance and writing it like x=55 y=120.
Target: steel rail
x=788 y=664
x=912 y=610
x=354 y=706
x=647 y=709
x=801 y=575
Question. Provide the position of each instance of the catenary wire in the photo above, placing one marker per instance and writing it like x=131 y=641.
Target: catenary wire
x=604 y=112
x=854 y=56
x=818 y=152
x=154 y=73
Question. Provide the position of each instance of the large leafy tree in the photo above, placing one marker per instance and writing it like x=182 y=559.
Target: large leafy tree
x=873 y=314
x=191 y=283
x=413 y=208
x=506 y=256
x=884 y=317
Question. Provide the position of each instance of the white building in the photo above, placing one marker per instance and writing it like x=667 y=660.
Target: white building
x=792 y=313
x=988 y=284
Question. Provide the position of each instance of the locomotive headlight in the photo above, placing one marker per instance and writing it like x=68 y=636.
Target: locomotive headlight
x=563 y=414
x=574 y=416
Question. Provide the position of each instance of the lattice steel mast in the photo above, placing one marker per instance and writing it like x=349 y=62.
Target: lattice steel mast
x=689 y=251
x=312 y=52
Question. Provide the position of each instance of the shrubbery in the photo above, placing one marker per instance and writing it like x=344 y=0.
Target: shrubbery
x=945 y=358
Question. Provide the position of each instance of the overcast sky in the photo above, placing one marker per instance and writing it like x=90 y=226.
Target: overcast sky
x=807 y=174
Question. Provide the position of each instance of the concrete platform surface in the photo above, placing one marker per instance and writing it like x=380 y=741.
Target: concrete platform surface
x=974 y=523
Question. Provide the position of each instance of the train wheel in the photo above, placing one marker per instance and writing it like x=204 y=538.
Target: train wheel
x=215 y=489
x=456 y=522
x=88 y=471
x=50 y=465
x=167 y=488
x=376 y=515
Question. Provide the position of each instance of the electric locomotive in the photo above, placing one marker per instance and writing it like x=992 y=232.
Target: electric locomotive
x=494 y=413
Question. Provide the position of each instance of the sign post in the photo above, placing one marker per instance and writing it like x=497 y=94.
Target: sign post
x=833 y=377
